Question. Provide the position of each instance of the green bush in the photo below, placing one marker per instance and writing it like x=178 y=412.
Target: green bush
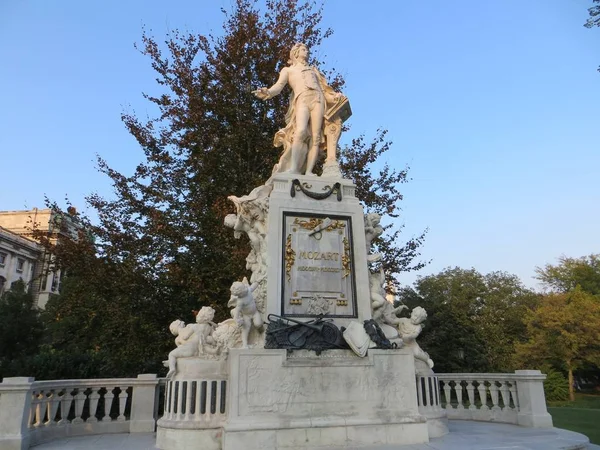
x=556 y=386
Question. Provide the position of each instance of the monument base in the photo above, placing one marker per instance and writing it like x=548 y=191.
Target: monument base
x=313 y=437
x=298 y=399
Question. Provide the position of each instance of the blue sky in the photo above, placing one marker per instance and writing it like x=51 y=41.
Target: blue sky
x=495 y=106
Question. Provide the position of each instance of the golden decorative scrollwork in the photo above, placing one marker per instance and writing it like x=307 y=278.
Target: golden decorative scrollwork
x=346 y=258
x=312 y=223
x=290 y=257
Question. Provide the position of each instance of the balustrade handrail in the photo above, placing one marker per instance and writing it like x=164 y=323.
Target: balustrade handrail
x=509 y=376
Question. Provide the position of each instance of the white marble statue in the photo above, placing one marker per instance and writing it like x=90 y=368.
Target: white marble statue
x=244 y=311
x=194 y=339
x=314 y=116
x=383 y=311
x=373 y=230
x=410 y=329
x=251 y=219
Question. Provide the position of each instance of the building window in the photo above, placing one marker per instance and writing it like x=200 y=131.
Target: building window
x=20 y=265
x=3 y=259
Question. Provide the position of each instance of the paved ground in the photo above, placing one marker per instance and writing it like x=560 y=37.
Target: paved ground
x=463 y=436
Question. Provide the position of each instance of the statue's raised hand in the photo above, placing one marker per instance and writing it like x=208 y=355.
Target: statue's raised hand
x=262 y=93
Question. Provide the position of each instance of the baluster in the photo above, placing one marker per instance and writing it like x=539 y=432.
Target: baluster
x=448 y=394
x=172 y=397
x=513 y=393
x=40 y=408
x=197 y=412
x=31 y=415
x=505 y=394
x=179 y=388
x=419 y=391
x=94 y=398
x=53 y=401
x=65 y=406
x=167 y=398
x=459 y=394
x=428 y=393
x=494 y=394
x=188 y=400
x=108 y=402
x=481 y=388
x=79 y=402
x=471 y=394
x=122 y=403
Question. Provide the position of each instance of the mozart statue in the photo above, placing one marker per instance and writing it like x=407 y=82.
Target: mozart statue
x=313 y=120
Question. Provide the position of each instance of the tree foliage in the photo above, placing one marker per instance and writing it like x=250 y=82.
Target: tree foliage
x=564 y=330
x=160 y=246
x=572 y=272
x=474 y=319
x=594 y=13
x=594 y=17
x=21 y=329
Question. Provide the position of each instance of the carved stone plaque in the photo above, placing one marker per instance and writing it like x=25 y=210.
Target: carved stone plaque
x=318 y=266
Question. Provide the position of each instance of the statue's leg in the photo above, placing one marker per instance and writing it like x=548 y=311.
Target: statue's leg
x=257 y=320
x=298 y=145
x=246 y=330
x=316 y=123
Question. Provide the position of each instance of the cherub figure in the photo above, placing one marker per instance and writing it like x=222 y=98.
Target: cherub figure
x=409 y=329
x=193 y=339
x=372 y=231
x=244 y=310
x=383 y=312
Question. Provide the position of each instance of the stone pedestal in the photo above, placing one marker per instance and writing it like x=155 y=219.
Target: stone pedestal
x=195 y=406
x=316 y=250
x=532 y=401
x=303 y=401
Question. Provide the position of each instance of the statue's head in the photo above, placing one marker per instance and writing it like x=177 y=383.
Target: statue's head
x=239 y=289
x=230 y=220
x=296 y=50
x=418 y=315
x=175 y=326
x=206 y=314
x=373 y=219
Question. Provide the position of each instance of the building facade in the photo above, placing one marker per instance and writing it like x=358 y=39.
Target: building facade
x=21 y=257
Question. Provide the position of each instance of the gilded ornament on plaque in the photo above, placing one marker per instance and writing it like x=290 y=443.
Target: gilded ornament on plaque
x=312 y=223
x=290 y=257
x=346 y=258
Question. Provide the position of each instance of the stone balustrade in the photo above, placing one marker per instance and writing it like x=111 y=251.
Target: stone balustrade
x=516 y=398
x=32 y=412
x=201 y=403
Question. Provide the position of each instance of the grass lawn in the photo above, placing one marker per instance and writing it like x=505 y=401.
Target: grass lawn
x=582 y=415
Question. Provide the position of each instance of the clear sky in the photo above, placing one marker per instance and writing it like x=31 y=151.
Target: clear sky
x=495 y=106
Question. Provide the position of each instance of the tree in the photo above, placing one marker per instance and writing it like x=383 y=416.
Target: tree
x=563 y=330
x=572 y=272
x=474 y=319
x=161 y=247
x=20 y=325
x=594 y=19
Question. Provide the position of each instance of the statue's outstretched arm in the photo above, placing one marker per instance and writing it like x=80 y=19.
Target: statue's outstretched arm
x=265 y=94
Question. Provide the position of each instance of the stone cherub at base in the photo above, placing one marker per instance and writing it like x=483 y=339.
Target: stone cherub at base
x=244 y=311
x=410 y=329
x=194 y=339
